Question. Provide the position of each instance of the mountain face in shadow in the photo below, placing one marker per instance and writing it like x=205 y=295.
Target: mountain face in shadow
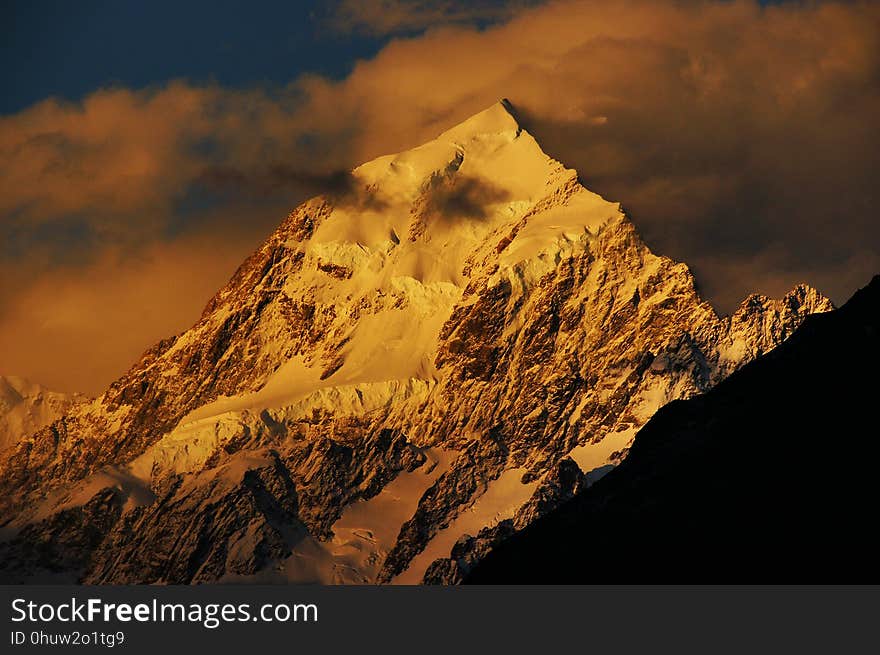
x=770 y=477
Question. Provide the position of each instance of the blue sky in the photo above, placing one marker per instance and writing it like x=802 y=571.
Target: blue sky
x=68 y=49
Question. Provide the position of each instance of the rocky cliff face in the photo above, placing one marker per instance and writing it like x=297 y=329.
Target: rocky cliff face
x=411 y=361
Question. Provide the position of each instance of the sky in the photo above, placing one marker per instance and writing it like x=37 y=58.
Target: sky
x=147 y=148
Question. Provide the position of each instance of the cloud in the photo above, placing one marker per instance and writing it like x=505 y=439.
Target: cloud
x=121 y=153
x=122 y=214
x=77 y=329
x=385 y=17
x=741 y=140
x=341 y=186
x=462 y=196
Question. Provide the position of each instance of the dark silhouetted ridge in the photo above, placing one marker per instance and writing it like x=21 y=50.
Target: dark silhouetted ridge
x=771 y=477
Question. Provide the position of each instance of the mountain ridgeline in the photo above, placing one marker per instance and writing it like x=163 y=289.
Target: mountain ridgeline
x=25 y=407
x=770 y=477
x=463 y=340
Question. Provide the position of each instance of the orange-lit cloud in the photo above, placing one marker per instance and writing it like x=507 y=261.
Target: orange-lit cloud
x=122 y=151
x=79 y=329
x=742 y=140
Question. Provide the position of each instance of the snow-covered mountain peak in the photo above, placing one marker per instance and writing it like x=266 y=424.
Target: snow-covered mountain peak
x=431 y=206
x=481 y=201
x=801 y=298
x=805 y=296
x=497 y=120
x=439 y=339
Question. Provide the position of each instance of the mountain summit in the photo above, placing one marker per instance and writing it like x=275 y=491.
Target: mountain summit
x=463 y=335
x=500 y=118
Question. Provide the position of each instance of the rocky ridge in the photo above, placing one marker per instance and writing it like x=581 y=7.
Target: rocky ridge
x=742 y=484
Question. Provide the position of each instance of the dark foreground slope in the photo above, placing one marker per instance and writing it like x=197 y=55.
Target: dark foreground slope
x=772 y=477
